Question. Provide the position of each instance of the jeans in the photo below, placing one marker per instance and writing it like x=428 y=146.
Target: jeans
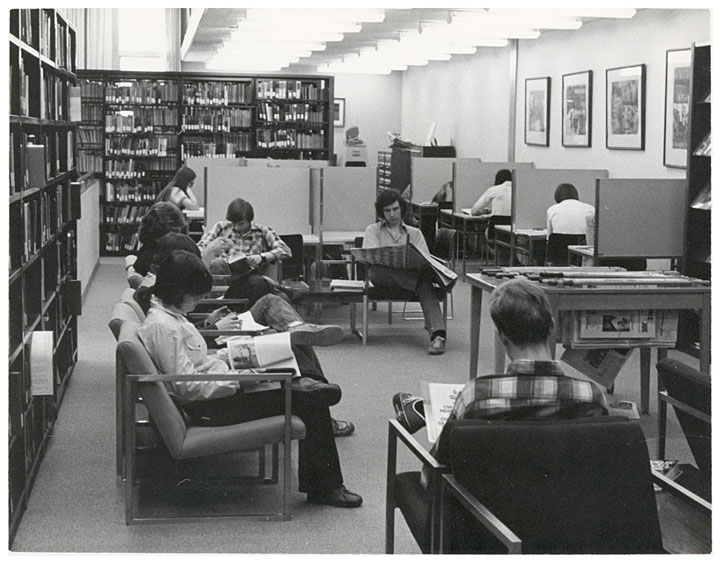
x=252 y=286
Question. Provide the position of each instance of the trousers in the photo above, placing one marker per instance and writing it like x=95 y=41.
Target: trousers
x=252 y=286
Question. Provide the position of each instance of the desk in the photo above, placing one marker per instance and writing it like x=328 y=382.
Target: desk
x=581 y=255
x=333 y=237
x=319 y=292
x=599 y=298
x=466 y=225
x=528 y=241
x=424 y=216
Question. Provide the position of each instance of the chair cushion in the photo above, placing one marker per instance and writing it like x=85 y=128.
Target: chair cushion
x=414 y=502
x=122 y=312
x=202 y=441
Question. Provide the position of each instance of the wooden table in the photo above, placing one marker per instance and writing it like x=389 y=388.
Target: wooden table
x=528 y=241
x=599 y=298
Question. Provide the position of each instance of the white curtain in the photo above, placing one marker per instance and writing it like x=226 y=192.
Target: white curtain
x=99 y=40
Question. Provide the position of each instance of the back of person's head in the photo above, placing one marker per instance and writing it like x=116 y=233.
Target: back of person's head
x=240 y=210
x=521 y=311
x=180 y=273
x=388 y=197
x=183 y=178
x=175 y=241
x=163 y=217
x=502 y=176
x=565 y=191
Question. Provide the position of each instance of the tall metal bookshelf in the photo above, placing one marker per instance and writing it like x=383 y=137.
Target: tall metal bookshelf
x=149 y=123
x=44 y=294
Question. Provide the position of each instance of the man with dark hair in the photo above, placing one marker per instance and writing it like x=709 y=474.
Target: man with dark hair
x=496 y=201
x=240 y=236
x=533 y=387
x=391 y=230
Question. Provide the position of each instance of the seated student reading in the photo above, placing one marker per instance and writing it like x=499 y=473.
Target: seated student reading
x=496 y=200
x=391 y=230
x=176 y=347
x=270 y=310
x=566 y=223
x=241 y=248
x=179 y=190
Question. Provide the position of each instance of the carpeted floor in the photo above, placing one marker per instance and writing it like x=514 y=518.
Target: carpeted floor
x=77 y=504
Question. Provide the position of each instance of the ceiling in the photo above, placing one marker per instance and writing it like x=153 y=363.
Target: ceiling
x=209 y=28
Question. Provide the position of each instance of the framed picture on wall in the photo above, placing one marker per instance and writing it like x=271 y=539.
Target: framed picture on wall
x=577 y=109
x=339 y=112
x=537 y=111
x=625 y=108
x=677 y=107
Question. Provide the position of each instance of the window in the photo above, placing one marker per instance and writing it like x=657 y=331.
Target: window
x=142 y=44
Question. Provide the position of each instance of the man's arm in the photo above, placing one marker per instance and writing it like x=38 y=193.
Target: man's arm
x=210 y=235
x=274 y=245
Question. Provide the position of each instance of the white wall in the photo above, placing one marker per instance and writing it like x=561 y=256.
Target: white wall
x=469 y=95
x=88 y=234
x=372 y=103
x=598 y=46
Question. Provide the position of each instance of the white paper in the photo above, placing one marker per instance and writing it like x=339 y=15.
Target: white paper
x=438 y=401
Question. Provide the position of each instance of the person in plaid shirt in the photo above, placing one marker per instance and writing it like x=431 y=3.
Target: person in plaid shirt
x=240 y=236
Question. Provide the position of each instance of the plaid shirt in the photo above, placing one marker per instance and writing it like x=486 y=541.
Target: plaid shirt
x=255 y=241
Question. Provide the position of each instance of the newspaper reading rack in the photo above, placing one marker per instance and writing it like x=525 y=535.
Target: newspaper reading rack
x=406 y=256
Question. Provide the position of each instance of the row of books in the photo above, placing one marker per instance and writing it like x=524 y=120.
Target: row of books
x=125 y=214
x=89 y=135
x=91 y=89
x=217 y=93
x=89 y=161
x=141 y=120
x=142 y=92
x=133 y=192
x=91 y=112
x=116 y=241
x=140 y=146
x=53 y=94
x=27 y=31
x=42 y=218
x=289 y=138
x=133 y=169
x=228 y=147
x=215 y=120
x=33 y=164
x=301 y=112
x=705 y=147
x=290 y=89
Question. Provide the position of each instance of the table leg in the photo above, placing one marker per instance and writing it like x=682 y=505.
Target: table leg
x=705 y=326
x=475 y=310
x=644 y=380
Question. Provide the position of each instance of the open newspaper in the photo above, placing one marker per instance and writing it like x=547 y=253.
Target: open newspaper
x=406 y=256
x=260 y=353
x=438 y=402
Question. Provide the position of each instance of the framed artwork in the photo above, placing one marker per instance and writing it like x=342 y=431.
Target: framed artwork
x=625 y=108
x=339 y=112
x=577 y=109
x=537 y=111
x=677 y=107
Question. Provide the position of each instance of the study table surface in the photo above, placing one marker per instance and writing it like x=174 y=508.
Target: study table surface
x=333 y=237
x=467 y=225
x=520 y=238
x=568 y=298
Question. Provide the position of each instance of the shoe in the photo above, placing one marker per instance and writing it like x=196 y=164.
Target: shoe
x=409 y=411
x=342 y=428
x=339 y=497
x=312 y=334
x=323 y=393
x=437 y=346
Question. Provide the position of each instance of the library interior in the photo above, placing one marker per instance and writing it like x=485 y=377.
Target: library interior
x=491 y=225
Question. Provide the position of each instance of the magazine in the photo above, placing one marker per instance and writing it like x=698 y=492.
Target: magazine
x=438 y=402
x=260 y=352
x=406 y=256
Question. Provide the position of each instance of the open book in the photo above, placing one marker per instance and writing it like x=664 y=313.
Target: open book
x=438 y=402
x=270 y=351
x=406 y=256
x=239 y=267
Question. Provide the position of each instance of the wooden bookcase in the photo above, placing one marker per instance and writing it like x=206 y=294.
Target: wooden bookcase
x=696 y=259
x=44 y=295
x=151 y=122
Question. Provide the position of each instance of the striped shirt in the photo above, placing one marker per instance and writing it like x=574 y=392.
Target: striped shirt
x=255 y=241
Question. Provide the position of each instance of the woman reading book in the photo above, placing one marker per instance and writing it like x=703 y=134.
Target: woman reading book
x=176 y=347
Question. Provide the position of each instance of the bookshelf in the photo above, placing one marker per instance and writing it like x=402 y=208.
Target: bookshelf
x=138 y=128
x=44 y=294
x=383 y=170
x=696 y=259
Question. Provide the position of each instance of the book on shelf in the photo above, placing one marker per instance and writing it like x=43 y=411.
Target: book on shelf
x=438 y=402
x=406 y=256
x=624 y=408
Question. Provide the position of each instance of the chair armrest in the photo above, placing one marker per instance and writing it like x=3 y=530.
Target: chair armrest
x=679 y=491
x=450 y=486
x=665 y=397
x=421 y=453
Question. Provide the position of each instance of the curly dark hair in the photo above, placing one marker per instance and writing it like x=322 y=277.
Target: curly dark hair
x=163 y=217
x=180 y=273
x=386 y=198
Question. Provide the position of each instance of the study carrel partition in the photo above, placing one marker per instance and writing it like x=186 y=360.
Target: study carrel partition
x=348 y=198
x=198 y=164
x=428 y=175
x=279 y=196
x=534 y=192
x=471 y=178
x=640 y=218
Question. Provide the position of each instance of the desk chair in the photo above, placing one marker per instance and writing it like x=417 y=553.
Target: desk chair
x=688 y=391
x=182 y=441
x=294 y=266
x=556 y=251
x=570 y=486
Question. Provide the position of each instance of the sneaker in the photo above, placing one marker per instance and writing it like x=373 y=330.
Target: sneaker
x=338 y=497
x=322 y=393
x=312 y=334
x=342 y=428
x=437 y=346
x=409 y=411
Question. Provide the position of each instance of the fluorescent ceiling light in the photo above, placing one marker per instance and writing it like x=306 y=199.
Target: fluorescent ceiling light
x=296 y=15
x=296 y=35
x=568 y=12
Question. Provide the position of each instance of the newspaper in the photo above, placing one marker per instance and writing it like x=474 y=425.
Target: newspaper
x=438 y=402
x=617 y=324
x=406 y=256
